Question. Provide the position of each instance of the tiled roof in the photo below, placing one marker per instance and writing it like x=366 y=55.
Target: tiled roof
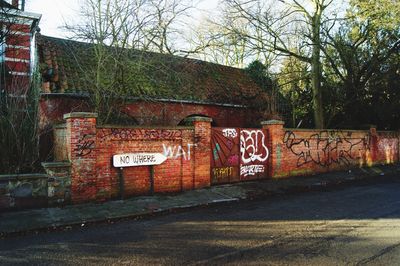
x=67 y=66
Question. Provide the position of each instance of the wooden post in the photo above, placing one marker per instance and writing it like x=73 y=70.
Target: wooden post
x=121 y=183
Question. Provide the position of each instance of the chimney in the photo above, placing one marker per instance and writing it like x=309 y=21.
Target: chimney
x=16 y=4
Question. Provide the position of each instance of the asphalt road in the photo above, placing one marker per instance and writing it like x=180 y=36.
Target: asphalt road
x=351 y=226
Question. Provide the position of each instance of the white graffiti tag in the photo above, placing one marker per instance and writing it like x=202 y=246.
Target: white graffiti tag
x=252 y=146
x=177 y=151
x=229 y=133
x=247 y=170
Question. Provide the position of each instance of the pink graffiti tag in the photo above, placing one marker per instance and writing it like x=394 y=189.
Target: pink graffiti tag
x=233 y=159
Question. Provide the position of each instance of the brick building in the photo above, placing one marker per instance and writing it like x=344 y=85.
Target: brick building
x=182 y=87
x=223 y=93
x=17 y=46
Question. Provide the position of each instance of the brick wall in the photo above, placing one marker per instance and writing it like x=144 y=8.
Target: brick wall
x=283 y=152
x=54 y=106
x=172 y=113
x=16 y=57
x=90 y=150
x=301 y=152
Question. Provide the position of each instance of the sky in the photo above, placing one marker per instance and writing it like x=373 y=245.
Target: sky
x=56 y=12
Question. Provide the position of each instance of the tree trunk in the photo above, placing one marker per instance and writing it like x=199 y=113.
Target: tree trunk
x=316 y=73
x=317 y=91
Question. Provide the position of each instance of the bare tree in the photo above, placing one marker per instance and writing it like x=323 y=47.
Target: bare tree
x=120 y=32
x=211 y=43
x=168 y=21
x=152 y=25
x=215 y=40
x=285 y=28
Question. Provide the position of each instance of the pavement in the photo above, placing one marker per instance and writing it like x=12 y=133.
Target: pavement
x=56 y=218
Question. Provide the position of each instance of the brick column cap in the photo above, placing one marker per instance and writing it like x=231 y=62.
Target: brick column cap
x=80 y=115
x=272 y=122
x=198 y=119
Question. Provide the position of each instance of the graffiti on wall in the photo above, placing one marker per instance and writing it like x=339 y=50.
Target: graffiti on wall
x=254 y=152
x=139 y=134
x=222 y=172
x=327 y=147
x=225 y=156
x=251 y=170
x=229 y=132
x=389 y=148
x=177 y=151
x=84 y=146
x=238 y=154
x=253 y=147
x=233 y=159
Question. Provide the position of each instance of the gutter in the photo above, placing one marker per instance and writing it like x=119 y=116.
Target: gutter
x=138 y=99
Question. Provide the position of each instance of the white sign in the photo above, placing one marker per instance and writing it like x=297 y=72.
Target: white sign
x=138 y=159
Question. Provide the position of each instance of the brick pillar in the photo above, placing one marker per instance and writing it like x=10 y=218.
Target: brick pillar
x=202 y=150
x=398 y=146
x=81 y=152
x=275 y=133
x=372 y=157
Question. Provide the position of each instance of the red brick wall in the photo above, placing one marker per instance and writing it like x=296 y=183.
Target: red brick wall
x=163 y=113
x=52 y=109
x=301 y=152
x=292 y=152
x=91 y=149
x=54 y=106
x=81 y=151
x=17 y=58
x=239 y=154
x=386 y=147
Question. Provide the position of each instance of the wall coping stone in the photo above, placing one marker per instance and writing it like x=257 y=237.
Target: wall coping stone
x=56 y=164
x=145 y=127
x=198 y=119
x=23 y=177
x=57 y=126
x=327 y=129
x=272 y=122
x=80 y=115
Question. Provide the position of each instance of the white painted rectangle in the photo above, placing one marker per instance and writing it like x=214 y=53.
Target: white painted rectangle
x=138 y=159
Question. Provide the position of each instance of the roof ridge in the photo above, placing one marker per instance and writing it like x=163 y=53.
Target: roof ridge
x=66 y=67
x=195 y=60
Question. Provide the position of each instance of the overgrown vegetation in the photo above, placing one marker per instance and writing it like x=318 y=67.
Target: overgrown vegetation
x=334 y=62
x=119 y=33
x=19 y=149
x=19 y=99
